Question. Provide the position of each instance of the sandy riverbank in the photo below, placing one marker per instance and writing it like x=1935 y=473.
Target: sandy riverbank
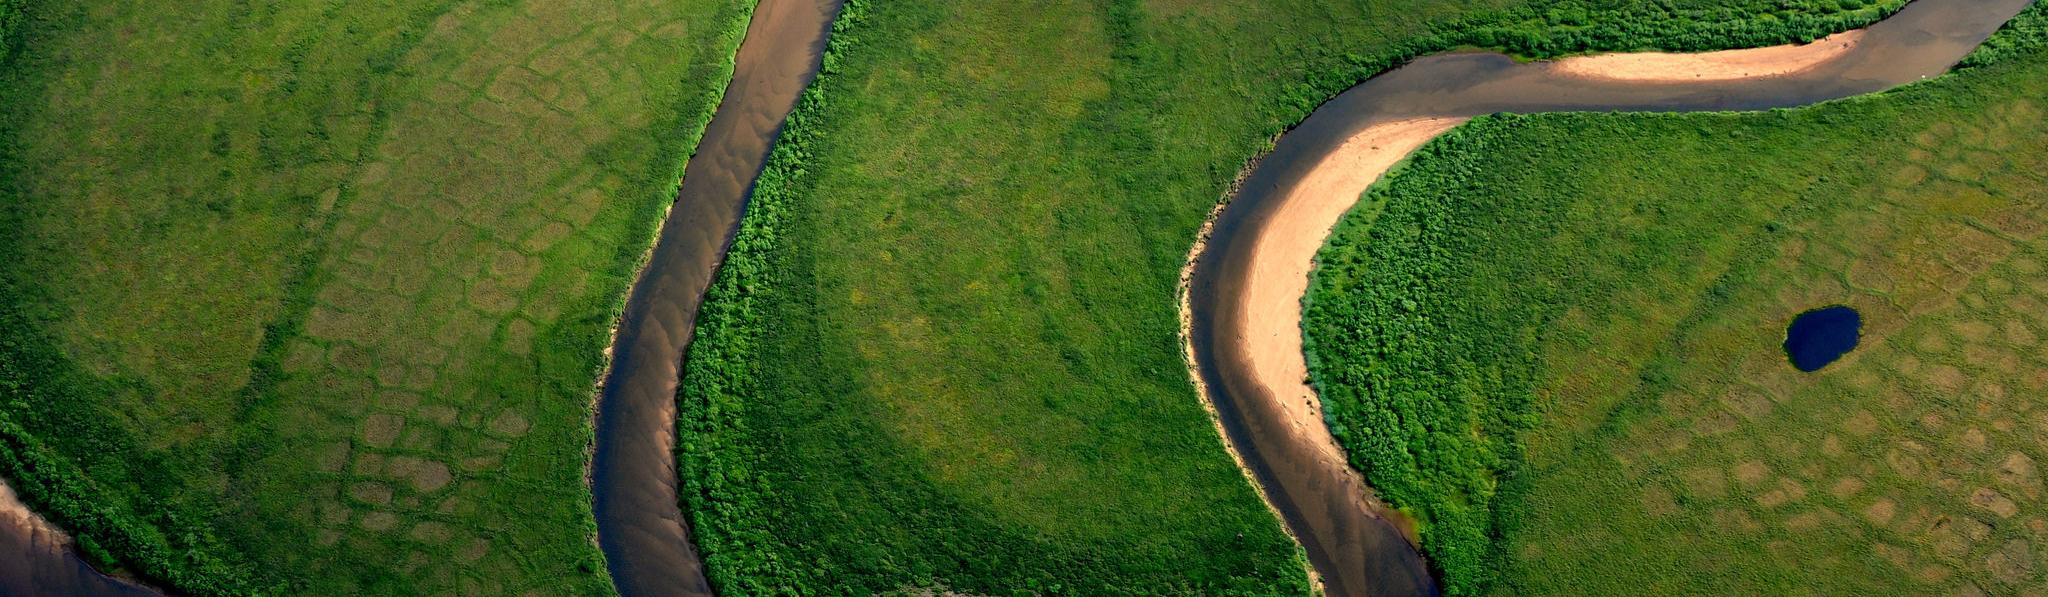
x=36 y=558
x=1727 y=65
x=15 y=514
x=1284 y=252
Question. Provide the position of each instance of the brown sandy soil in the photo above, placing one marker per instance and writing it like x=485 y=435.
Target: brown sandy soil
x=1710 y=66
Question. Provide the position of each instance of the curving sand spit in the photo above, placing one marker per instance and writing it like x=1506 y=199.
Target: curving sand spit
x=1726 y=65
x=1283 y=253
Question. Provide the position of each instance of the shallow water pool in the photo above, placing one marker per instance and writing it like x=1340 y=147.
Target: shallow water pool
x=1818 y=337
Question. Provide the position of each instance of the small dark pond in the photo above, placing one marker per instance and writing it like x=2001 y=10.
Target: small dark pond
x=1820 y=336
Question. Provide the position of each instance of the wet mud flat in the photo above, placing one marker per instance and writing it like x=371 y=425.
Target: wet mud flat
x=1241 y=332
x=641 y=529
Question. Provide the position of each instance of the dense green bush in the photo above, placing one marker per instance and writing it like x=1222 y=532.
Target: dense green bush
x=10 y=20
x=1394 y=351
x=189 y=560
x=719 y=484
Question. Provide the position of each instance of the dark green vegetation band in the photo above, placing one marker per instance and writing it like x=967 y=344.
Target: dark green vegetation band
x=10 y=19
x=1428 y=363
x=760 y=413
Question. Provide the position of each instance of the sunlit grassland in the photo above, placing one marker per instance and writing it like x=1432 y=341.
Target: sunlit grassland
x=1557 y=340
x=944 y=352
x=313 y=295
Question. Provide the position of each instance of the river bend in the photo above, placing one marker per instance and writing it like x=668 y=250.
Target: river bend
x=1248 y=275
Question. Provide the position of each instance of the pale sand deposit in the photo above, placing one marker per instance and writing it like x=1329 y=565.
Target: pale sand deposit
x=1279 y=278
x=1285 y=250
x=1726 y=65
x=14 y=513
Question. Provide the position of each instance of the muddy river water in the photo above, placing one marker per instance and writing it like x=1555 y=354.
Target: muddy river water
x=1247 y=279
x=640 y=526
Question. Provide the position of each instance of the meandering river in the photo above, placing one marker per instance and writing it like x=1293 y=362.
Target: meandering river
x=1247 y=279
x=640 y=527
x=1257 y=241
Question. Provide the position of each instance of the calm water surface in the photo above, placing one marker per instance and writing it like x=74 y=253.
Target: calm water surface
x=1820 y=336
x=640 y=526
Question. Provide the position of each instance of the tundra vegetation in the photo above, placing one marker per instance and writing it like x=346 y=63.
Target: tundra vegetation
x=1555 y=339
x=311 y=296
x=944 y=351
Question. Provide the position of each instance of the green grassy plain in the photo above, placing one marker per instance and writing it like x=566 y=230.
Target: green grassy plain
x=311 y=296
x=944 y=352
x=1556 y=339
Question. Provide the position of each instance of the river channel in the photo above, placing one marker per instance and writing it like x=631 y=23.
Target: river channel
x=640 y=526
x=1248 y=275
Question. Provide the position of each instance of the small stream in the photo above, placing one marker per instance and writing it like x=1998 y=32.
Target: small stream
x=640 y=526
